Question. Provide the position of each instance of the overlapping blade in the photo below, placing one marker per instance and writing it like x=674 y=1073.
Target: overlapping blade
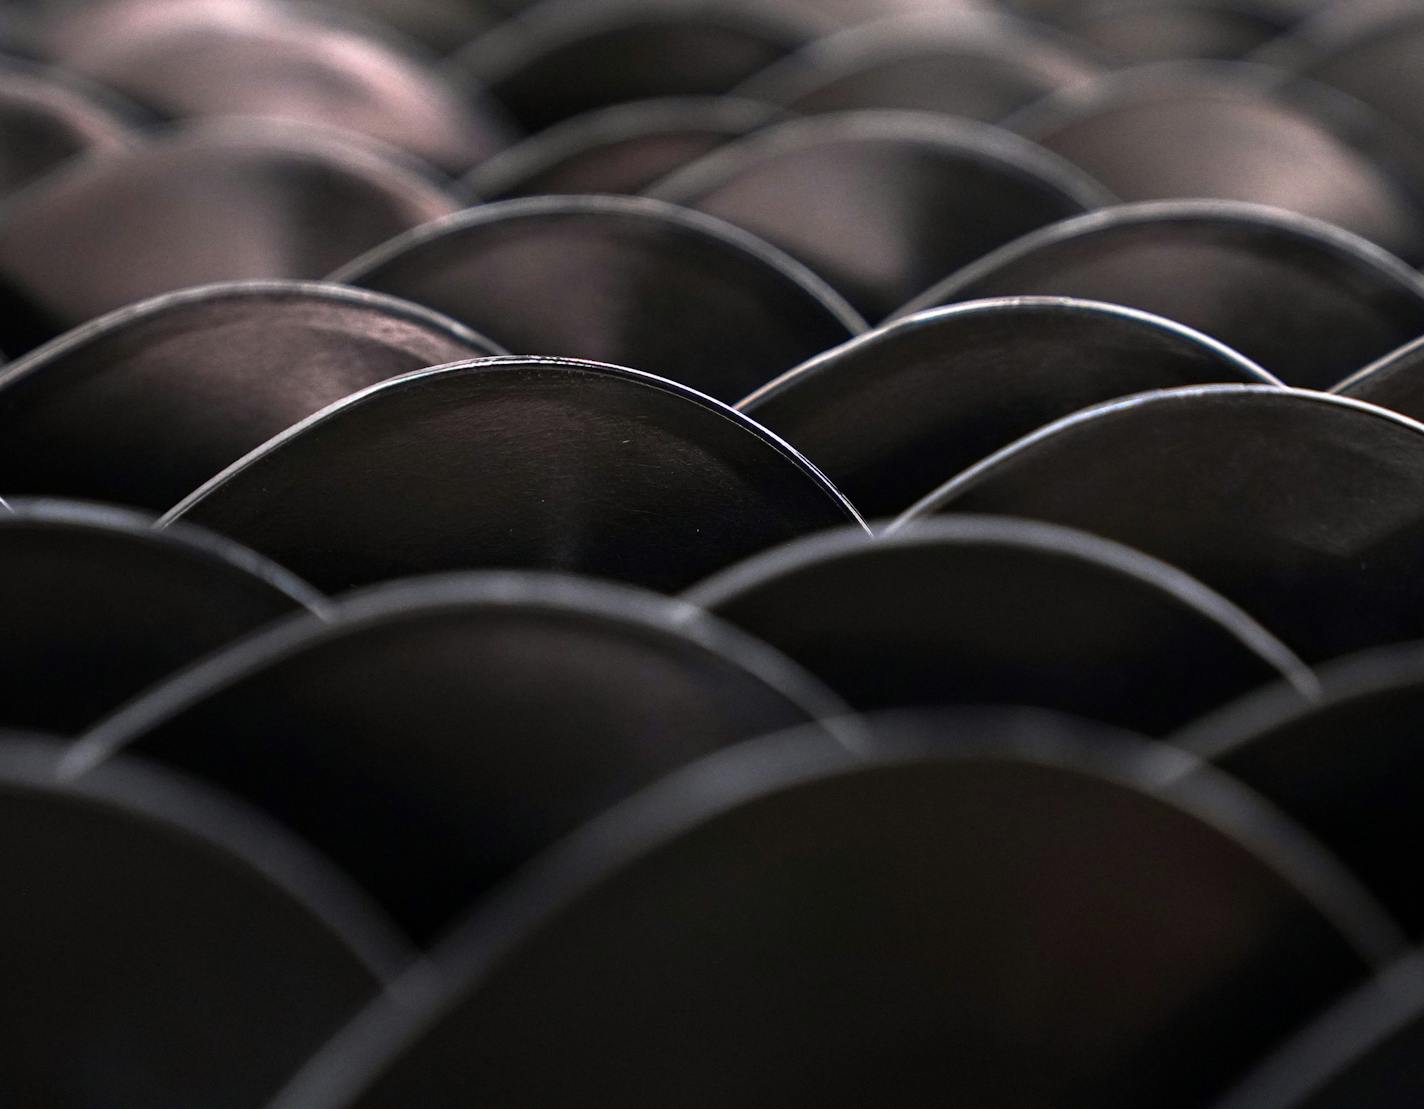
x=621 y=149
x=203 y=60
x=1234 y=133
x=97 y=606
x=991 y=610
x=881 y=204
x=224 y=201
x=1365 y=1051
x=47 y=118
x=210 y=374
x=1164 y=30
x=1308 y=301
x=164 y=946
x=519 y=462
x=889 y=416
x=964 y=64
x=564 y=57
x=908 y=924
x=1274 y=497
x=599 y=277
x=432 y=737
x=1345 y=767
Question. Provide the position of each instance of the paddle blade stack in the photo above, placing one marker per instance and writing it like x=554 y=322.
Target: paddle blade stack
x=711 y=553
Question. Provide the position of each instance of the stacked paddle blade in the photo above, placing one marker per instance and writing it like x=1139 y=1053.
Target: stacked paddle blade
x=707 y=553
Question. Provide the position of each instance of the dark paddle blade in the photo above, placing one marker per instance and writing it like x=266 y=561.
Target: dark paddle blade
x=618 y=150
x=890 y=415
x=961 y=64
x=47 y=118
x=571 y=56
x=625 y=280
x=1365 y=1053
x=218 y=202
x=1309 y=302
x=880 y=204
x=1140 y=31
x=432 y=737
x=205 y=60
x=97 y=606
x=163 y=946
x=1395 y=381
x=1232 y=132
x=984 y=610
x=1276 y=498
x=520 y=462
x=145 y=404
x=1378 y=64
x=1348 y=767
x=905 y=925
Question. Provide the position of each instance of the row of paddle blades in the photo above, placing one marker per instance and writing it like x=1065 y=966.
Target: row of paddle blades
x=670 y=553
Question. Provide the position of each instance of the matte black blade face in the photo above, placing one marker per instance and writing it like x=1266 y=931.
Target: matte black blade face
x=434 y=737
x=971 y=66
x=1379 y=66
x=988 y=610
x=144 y=405
x=1230 y=133
x=224 y=61
x=633 y=281
x=1275 y=498
x=520 y=462
x=619 y=150
x=881 y=204
x=1308 y=302
x=97 y=607
x=45 y=120
x=1165 y=30
x=1348 y=768
x=214 y=203
x=1395 y=381
x=906 y=925
x=890 y=416
x=1365 y=1052
x=573 y=56
x=164 y=947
